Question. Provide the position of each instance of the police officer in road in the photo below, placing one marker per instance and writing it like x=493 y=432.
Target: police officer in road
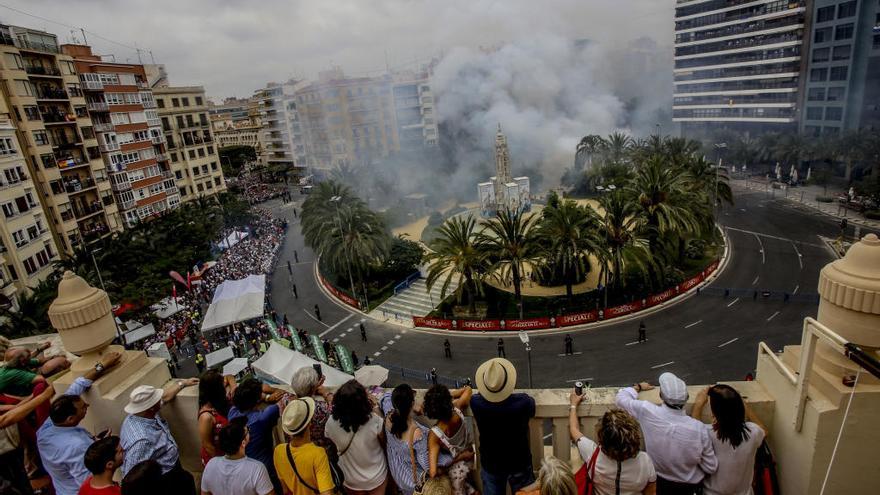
x=568 y=345
x=642 y=337
x=447 y=349
x=501 y=352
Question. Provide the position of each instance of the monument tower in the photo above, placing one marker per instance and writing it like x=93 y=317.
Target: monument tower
x=502 y=191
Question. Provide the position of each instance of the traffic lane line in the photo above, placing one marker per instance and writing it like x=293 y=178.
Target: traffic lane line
x=729 y=342
x=773 y=316
x=662 y=365
x=340 y=322
x=694 y=323
x=310 y=315
x=733 y=302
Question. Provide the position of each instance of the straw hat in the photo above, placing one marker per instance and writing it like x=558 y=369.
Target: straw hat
x=496 y=379
x=142 y=398
x=297 y=415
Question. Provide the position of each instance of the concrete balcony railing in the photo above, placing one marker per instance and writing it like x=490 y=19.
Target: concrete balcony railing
x=98 y=106
x=103 y=126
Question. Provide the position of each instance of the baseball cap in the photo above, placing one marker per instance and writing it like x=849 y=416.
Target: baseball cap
x=673 y=390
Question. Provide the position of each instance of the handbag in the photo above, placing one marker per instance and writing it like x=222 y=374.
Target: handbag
x=585 y=475
x=438 y=485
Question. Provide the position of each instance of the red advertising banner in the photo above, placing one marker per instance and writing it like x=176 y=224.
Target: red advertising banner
x=577 y=318
x=477 y=324
x=339 y=294
x=690 y=284
x=623 y=309
x=426 y=322
x=659 y=298
x=527 y=324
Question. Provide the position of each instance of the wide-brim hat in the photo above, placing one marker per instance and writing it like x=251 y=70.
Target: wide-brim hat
x=142 y=398
x=297 y=415
x=496 y=379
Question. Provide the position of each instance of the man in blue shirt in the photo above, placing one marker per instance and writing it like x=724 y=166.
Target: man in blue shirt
x=261 y=421
x=503 y=421
x=61 y=442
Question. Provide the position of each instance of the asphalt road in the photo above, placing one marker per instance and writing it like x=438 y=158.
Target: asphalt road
x=706 y=338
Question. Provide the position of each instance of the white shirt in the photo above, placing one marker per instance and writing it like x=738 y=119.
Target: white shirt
x=678 y=444
x=635 y=473
x=735 y=466
x=243 y=476
x=363 y=462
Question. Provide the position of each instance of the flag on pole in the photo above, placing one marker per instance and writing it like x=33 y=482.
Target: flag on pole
x=174 y=292
x=188 y=281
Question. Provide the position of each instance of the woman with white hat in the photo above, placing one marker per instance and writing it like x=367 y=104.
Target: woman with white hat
x=145 y=435
x=302 y=466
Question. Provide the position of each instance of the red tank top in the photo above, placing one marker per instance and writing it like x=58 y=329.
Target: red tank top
x=219 y=422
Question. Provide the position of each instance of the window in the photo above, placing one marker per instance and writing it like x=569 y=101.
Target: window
x=178 y=175
x=13 y=60
x=846 y=9
x=184 y=102
x=214 y=166
x=32 y=113
x=838 y=73
x=843 y=32
x=195 y=170
x=834 y=113
x=821 y=54
x=816 y=94
x=180 y=122
x=814 y=113
x=40 y=138
x=160 y=103
x=825 y=14
x=205 y=169
x=217 y=180
x=209 y=185
x=836 y=94
x=842 y=52
x=175 y=102
x=200 y=187
x=818 y=75
x=199 y=100
x=210 y=150
x=9 y=209
x=201 y=152
x=173 y=157
x=822 y=35
x=192 y=154
x=7 y=147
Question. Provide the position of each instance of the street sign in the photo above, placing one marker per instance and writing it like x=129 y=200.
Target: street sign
x=524 y=337
x=318 y=347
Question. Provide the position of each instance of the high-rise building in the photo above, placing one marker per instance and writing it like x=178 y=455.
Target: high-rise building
x=125 y=119
x=414 y=109
x=192 y=152
x=27 y=247
x=738 y=64
x=280 y=135
x=843 y=73
x=51 y=115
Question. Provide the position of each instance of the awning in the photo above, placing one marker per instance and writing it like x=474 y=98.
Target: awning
x=139 y=333
x=278 y=365
x=235 y=301
x=219 y=356
x=166 y=307
x=235 y=366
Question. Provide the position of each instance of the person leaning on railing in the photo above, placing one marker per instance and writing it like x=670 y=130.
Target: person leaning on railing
x=614 y=462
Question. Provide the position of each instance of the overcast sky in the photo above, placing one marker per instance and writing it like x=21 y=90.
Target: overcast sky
x=233 y=47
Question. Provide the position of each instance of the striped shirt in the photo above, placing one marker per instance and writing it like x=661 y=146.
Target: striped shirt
x=146 y=438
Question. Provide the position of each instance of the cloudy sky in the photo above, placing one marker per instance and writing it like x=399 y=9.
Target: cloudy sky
x=233 y=47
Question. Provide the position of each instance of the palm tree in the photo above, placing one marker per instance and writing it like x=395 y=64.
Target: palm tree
x=510 y=242
x=457 y=255
x=586 y=148
x=566 y=233
x=616 y=147
x=623 y=244
x=319 y=213
x=663 y=196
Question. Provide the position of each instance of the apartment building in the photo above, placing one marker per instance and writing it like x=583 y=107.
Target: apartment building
x=192 y=152
x=414 y=110
x=237 y=123
x=738 y=64
x=281 y=139
x=843 y=73
x=48 y=108
x=27 y=247
x=124 y=116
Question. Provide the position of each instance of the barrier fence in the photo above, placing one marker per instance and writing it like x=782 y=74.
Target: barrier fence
x=342 y=296
x=566 y=320
x=406 y=283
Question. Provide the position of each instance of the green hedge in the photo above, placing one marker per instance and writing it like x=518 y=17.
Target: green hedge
x=872 y=214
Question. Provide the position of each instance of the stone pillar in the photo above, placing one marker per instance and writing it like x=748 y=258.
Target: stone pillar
x=84 y=320
x=849 y=306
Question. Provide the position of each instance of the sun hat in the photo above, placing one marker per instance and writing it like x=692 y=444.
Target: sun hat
x=673 y=390
x=297 y=415
x=142 y=398
x=496 y=379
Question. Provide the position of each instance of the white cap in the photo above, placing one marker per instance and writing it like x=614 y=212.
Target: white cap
x=673 y=390
x=142 y=398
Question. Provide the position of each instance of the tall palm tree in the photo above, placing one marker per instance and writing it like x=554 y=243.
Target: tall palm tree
x=457 y=255
x=319 y=212
x=622 y=238
x=616 y=147
x=663 y=196
x=566 y=233
x=586 y=148
x=509 y=240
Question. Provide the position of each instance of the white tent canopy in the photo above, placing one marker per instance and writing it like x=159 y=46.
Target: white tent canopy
x=219 y=356
x=232 y=239
x=235 y=301
x=279 y=363
x=139 y=333
x=235 y=366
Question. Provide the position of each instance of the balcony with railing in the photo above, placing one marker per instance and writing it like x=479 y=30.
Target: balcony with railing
x=103 y=126
x=31 y=46
x=87 y=211
x=98 y=106
x=51 y=94
x=94 y=231
x=42 y=70
x=55 y=116
x=77 y=185
x=108 y=147
x=65 y=141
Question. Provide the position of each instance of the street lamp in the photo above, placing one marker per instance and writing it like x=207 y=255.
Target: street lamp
x=101 y=281
x=524 y=337
x=336 y=200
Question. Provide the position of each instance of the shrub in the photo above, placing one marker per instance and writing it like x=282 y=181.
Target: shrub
x=824 y=199
x=872 y=214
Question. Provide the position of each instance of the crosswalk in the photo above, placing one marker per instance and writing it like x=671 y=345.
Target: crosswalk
x=352 y=334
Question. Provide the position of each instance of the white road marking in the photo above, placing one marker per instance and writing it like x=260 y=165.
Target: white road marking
x=397 y=336
x=575 y=353
x=796 y=287
x=350 y=330
x=312 y=317
x=632 y=343
x=757 y=277
x=335 y=340
x=763 y=258
x=733 y=302
x=340 y=322
x=799 y=255
x=391 y=342
x=363 y=320
x=694 y=323
x=579 y=380
x=376 y=354
x=662 y=365
x=773 y=316
x=729 y=342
